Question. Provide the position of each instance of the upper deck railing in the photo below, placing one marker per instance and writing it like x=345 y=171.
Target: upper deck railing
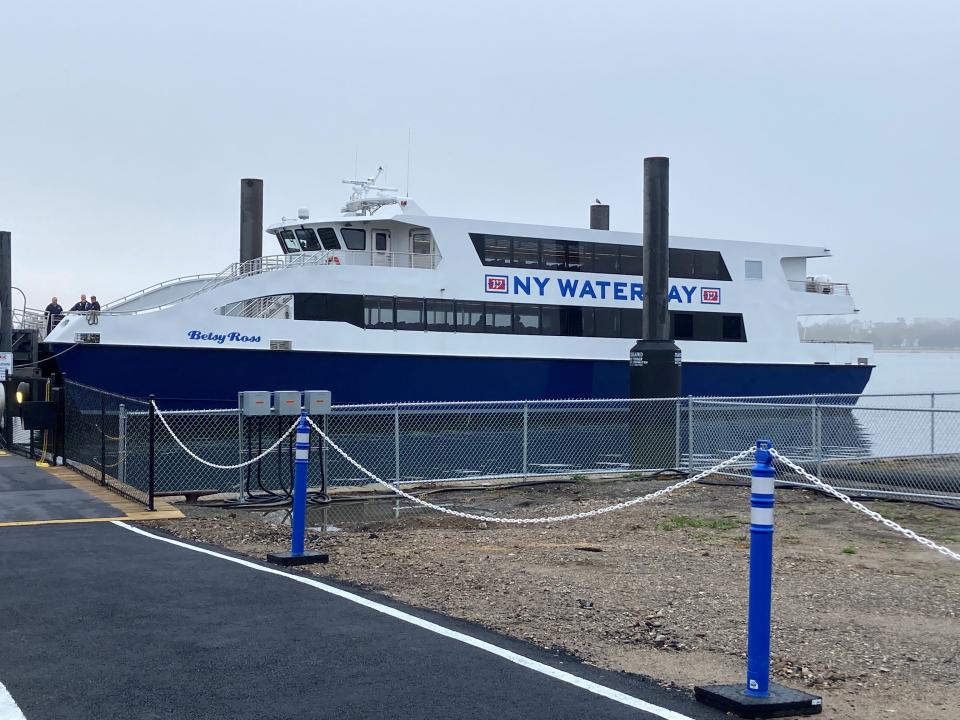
x=269 y=263
x=821 y=288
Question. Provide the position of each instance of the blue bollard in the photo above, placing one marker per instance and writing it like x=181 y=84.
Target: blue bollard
x=760 y=698
x=298 y=519
x=761 y=571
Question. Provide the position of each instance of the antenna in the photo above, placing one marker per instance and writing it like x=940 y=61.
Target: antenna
x=409 y=136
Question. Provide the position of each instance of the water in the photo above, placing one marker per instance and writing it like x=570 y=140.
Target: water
x=905 y=372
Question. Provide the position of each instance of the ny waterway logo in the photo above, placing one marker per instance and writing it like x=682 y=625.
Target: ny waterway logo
x=536 y=286
x=221 y=338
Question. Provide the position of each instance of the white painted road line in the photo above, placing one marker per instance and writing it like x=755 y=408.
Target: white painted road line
x=9 y=710
x=509 y=655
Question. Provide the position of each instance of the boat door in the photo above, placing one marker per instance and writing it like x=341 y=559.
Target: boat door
x=380 y=247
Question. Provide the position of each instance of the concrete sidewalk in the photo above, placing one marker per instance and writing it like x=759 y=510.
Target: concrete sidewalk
x=101 y=622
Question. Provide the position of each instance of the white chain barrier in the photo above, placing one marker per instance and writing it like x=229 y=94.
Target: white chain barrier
x=199 y=459
x=531 y=521
x=872 y=514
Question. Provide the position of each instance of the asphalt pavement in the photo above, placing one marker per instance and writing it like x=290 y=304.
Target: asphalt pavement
x=98 y=621
x=29 y=494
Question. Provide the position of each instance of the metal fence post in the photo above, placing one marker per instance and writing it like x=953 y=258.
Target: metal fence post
x=690 y=434
x=103 y=440
x=933 y=423
x=676 y=439
x=151 y=432
x=122 y=444
x=298 y=555
x=396 y=444
x=526 y=435
x=817 y=428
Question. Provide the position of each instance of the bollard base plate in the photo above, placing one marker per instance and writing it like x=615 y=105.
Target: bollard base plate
x=288 y=559
x=781 y=702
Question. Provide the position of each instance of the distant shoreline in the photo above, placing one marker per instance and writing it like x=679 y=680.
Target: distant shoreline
x=915 y=351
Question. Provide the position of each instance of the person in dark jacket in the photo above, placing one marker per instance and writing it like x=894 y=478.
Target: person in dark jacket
x=81 y=305
x=54 y=313
x=94 y=305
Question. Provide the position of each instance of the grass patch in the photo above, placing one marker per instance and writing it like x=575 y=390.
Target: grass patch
x=678 y=522
x=849 y=551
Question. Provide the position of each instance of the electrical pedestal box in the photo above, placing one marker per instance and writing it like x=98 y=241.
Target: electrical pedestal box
x=317 y=402
x=256 y=402
x=286 y=402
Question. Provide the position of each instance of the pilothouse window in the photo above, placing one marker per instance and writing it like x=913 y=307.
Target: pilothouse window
x=354 y=238
x=307 y=238
x=329 y=238
x=288 y=242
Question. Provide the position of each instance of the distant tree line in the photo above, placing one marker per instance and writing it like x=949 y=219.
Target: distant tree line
x=920 y=333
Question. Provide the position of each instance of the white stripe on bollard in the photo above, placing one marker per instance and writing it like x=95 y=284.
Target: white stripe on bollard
x=761 y=516
x=761 y=486
x=302 y=454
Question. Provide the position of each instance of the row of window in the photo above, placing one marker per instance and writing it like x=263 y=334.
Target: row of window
x=325 y=238
x=399 y=313
x=571 y=256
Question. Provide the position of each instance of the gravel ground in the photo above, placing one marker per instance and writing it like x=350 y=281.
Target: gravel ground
x=865 y=618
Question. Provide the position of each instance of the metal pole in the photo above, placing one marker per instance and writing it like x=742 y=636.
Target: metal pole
x=103 y=440
x=676 y=438
x=122 y=443
x=240 y=471
x=690 y=434
x=6 y=329
x=152 y=456
x=298 y=522
x=526 y=435
x=933 y=423
x=817 y=448
x=761 y=571
x=396 y=444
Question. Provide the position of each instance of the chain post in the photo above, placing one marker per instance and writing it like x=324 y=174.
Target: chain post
x=761 y=571
x=152 y=457
x=298 y=555
x=526 y=435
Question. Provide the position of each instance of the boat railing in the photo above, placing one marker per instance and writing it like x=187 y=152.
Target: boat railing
x=269 y=263
x=156 y=286
x=816 y=286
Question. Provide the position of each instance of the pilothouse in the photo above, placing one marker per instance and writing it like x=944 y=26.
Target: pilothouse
x=385 y=302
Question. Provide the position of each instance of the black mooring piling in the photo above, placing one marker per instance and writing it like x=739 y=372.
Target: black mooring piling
x=599 y=216
x=251 y=219
x=655 y=362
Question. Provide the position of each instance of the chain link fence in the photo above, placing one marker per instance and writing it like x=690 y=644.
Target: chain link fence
x=891 y=446
x=107 y=439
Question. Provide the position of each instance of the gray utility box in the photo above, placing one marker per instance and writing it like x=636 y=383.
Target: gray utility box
x=256 y=402
x=317 y=402
x=286 y=402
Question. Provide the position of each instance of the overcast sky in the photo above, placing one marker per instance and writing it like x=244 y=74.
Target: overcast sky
x=126 y=126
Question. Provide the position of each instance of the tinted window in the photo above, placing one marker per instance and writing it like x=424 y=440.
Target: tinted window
x=440 y=315
x=606 y=322
x=498 y=318
x=328 y=238
x=681 y=263
x=605 y=258
x=308 y=239
x=682 y=326
x=526 y=319
x=469 y=316
x=409 y=314
x=580 y=257
x=354 y=238
x=288 y=241
x=631 y=323
x=380 y=241
x=631 y=259
x=707 y=326
x=554 y=254
x=526 y=253
x=420 y=243
x=552 y=320
x=732 y=327
x=378 y=312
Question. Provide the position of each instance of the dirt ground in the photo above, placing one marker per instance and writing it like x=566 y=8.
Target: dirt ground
x=862 y=616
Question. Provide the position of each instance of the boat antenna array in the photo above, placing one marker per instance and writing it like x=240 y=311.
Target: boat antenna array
x=362 y=202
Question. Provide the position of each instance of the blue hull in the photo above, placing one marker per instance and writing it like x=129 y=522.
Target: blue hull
x=198 y=377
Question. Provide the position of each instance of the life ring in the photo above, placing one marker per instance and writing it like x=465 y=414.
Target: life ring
x=333 y=260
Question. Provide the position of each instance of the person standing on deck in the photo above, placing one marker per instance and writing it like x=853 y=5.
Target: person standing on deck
x=81 y=305
x=54 y=313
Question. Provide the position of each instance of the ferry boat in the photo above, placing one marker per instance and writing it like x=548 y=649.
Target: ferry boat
x=387 y=303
